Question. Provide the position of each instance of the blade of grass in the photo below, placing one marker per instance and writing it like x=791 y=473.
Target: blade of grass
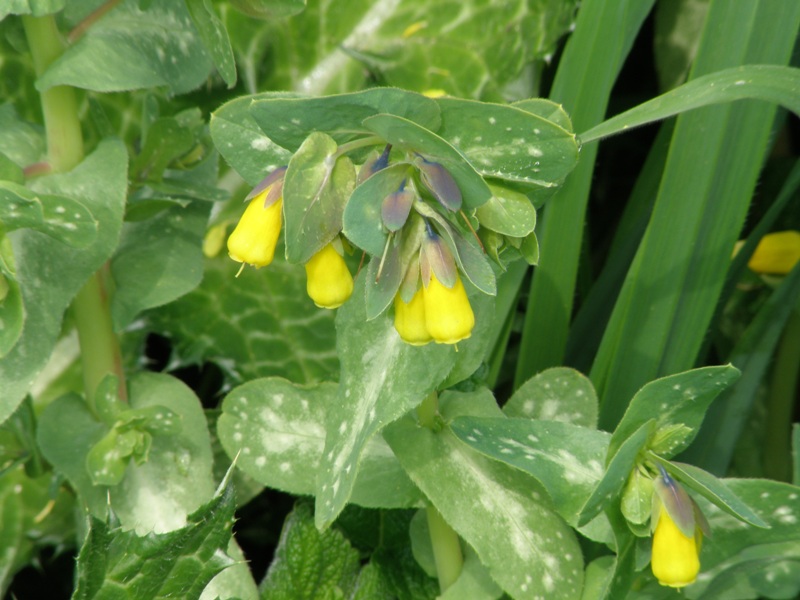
x=586 y=73
x=669 y=295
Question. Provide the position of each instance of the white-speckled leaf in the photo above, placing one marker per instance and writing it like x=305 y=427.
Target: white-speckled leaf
x=528 y=549
x=566 y=459
x=557 y=394
x=155 y=496
x=277 y=429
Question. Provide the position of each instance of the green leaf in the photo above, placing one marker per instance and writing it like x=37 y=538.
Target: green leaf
x=557 y=394
x=547 y=109
x=133 y=49
x=408 y=135
x=308 y=564
x=508 y=143
x=158 y=260
x=20 y=141
x=289 y=121
x=566 y=459
x=117 y=563
x=12 y=311
x=507 y=212
x=176 y=479
x=529 y=551
x=771 y=83
x=259 y=324
x=315 y=189
x=50 y=274
x=637 y=498
x=712 y=489
x=215 y=38
x=382 y=378
x=235 y=582
x=37 y=8
x=60 y=217
x=270 y=9
x=10 y=171
x=277 y=430
x=402 y=575
x=166 y=140
x=618 y=468
x=241 y=142
x=677 y=400
x=362 y=222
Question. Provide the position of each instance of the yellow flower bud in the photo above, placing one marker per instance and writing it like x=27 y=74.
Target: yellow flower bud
x=329 y=280
x=256 y=235
x=776 y=253
x=409 y=320
x=675 y=561
x=448 y=314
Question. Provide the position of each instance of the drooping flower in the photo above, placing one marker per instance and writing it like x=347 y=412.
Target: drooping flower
x=448 y=313
x=440 y=183
x=329 y=283
x=409 y=320
x=677 y=533
x=254 y=239
x=777 y=253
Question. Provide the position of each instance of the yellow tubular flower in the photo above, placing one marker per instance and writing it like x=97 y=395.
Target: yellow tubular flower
x=256 y=235
x=675 y=561
x=329 y=280
x=448 y=314
x=776 y=253
x=409 y=320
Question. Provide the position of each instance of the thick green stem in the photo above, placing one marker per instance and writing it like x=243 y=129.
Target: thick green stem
x=100 y=351
x=444 y=540
x=780 y=403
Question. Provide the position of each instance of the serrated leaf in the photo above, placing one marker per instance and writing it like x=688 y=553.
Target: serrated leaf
x=158 y=260
x=116 y=563
x=289 y=121
x=680 y=399
x=277 y=429
x=507 y=212
x=508 y=143
x=133 y=49
x=176 y=479
x=566 y=459
x=362 y=223
x=60 y=217
x=316 y=188
x=308 y=564
x=529 y=551
x=557 y=394
x=215 y=38
x=259 y=324
x=408 y=135
x=50 y=274
x=617 y=471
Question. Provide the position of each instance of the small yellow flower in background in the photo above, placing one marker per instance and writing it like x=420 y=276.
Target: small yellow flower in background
x=330 y=283
x=448 y=314
x=409 y=320
x=777 y=253
x=675 y=560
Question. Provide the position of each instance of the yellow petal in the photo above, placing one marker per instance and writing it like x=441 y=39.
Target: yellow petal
x=409 y=320
x=776 y=253
x=448 y=314
x=675 y=561
x=329 y=280
x=256 y=235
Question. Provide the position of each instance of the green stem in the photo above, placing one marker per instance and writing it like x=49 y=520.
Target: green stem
x=780 y=402
x=372 y=140
x=444 y=540
x=100 y=351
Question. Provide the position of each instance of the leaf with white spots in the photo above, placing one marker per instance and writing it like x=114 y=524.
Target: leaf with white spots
x=678 y=403
x=215 y=38
x=528 y=549
x=382 y=379
x=557 y=394
x=738 y=556
x=240 y=141
x=509 y=143
x=277 y=430
x=154 y=496
x=507 y=212
x=50 y=273
x=566 y=459
x=60 y=217
x=288 y=121
x=130 y=48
